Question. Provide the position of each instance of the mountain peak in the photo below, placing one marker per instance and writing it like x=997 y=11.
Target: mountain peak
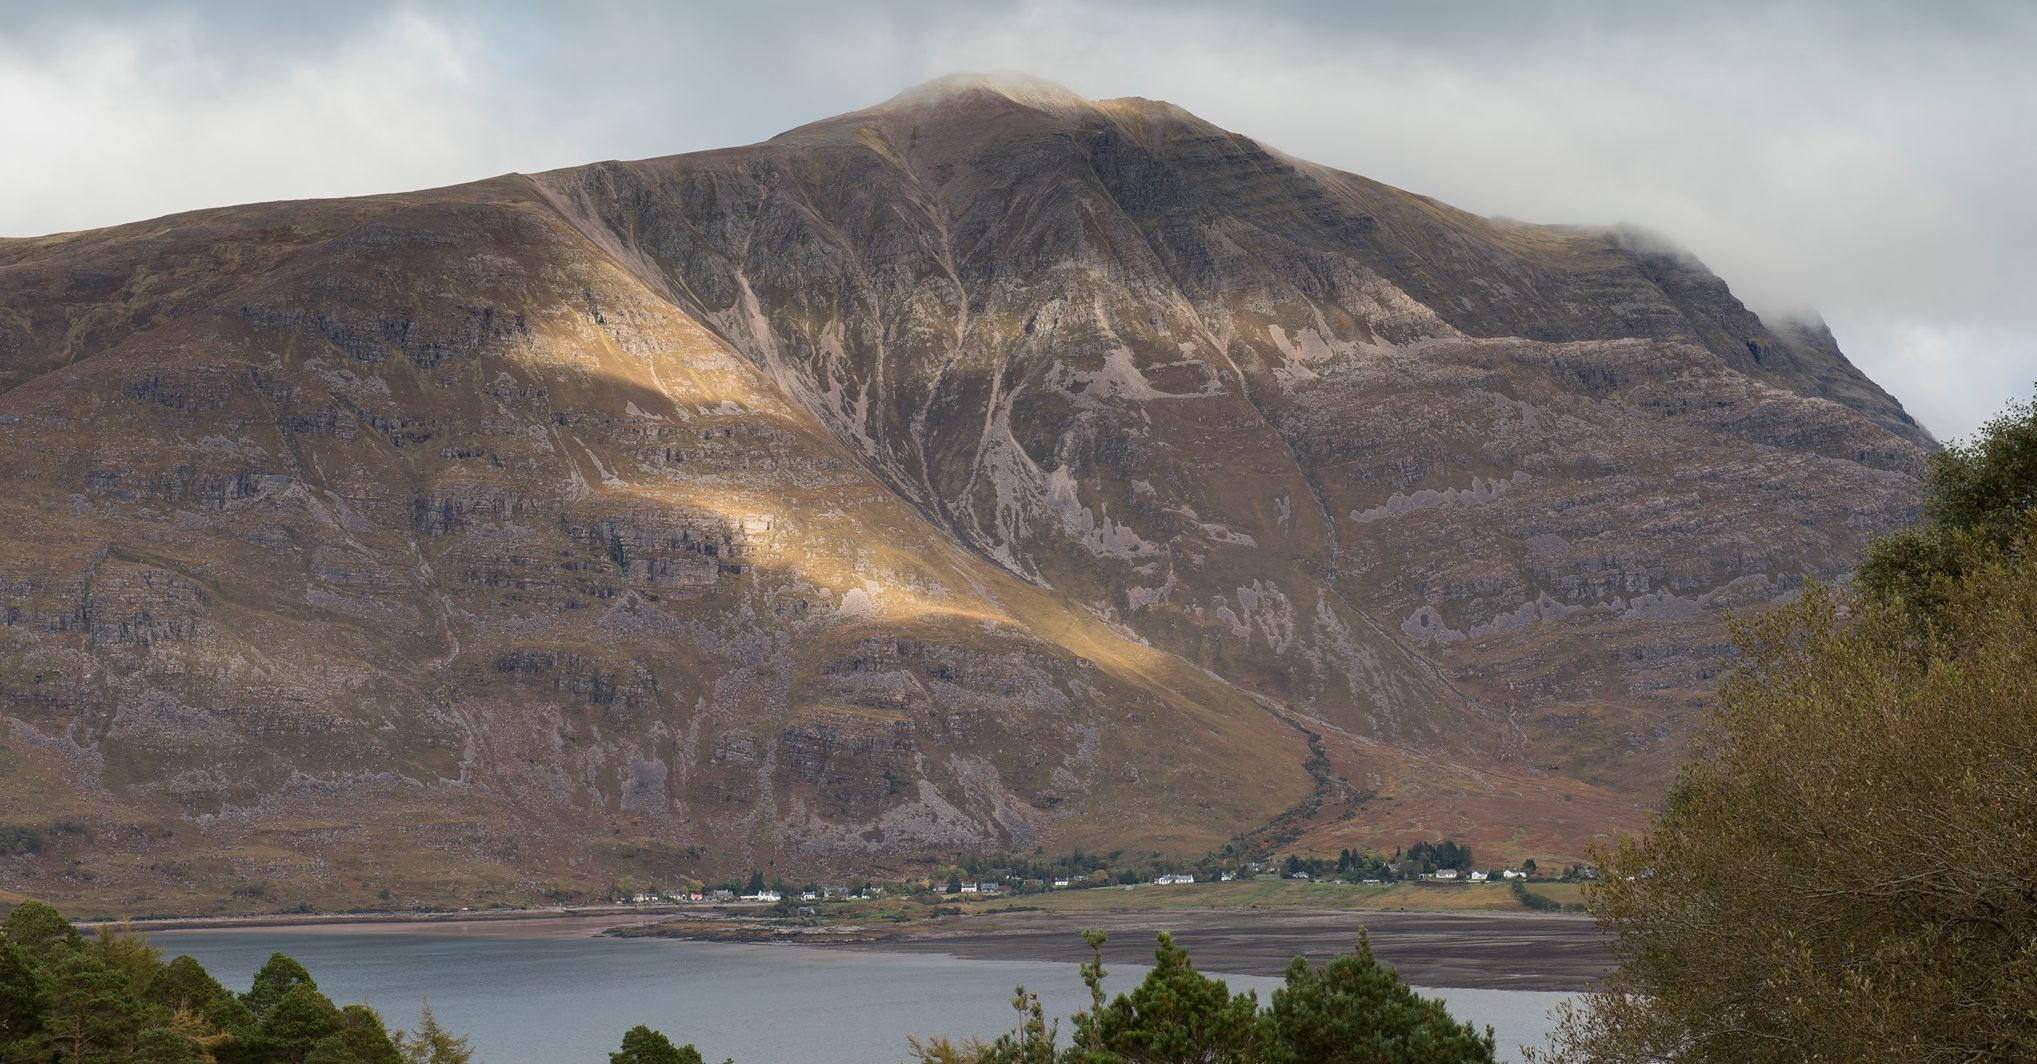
x=1013 y=85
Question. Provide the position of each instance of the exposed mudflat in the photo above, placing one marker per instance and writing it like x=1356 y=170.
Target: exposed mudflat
x=1486 y=951
x=1500 y=951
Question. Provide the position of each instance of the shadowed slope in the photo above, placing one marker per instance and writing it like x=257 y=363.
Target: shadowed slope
x=990 y=469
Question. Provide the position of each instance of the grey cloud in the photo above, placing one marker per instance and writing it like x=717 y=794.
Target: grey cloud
x=1870 y=160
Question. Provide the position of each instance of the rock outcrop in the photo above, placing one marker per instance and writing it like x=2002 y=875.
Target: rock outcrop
x=992 y=469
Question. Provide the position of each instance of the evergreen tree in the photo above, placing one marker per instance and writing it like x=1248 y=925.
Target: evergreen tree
x=1031 y=1043
x=162 y=1045
x=277 y=977
x=1356 y=1011
x=361 y=1039
x=91 y=1014
x=298 y=1020
x=1176 y=1015
x=22 y=1000
x=642 y=1045
x=40 y=930
x=183 y=982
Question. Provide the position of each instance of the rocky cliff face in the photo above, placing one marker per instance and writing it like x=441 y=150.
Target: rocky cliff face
x=989 y=470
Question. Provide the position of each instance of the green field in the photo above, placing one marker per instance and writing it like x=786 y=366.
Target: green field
x=1279 y=894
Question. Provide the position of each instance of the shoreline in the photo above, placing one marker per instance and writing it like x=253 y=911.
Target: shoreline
x=1480 y=950
x=508 y=920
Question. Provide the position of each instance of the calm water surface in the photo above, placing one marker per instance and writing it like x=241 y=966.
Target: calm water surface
x=567 y=1000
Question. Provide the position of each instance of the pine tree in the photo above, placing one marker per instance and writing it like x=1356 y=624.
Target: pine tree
x=1176 y=1015
x=642 y=1045
x=277 y=977
x=1355 y=1010
x=302 y=1018
x=22 y=998
x=41 y=931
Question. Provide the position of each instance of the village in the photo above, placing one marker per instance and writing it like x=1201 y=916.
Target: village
x=1443 y=865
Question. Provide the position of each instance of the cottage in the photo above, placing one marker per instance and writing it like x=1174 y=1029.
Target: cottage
x=1226 y=877
x=1443 y=873
x=1172 y=879
x=972 y=888
x=1059 y=883
x=1479 y=877
x=1513 y=873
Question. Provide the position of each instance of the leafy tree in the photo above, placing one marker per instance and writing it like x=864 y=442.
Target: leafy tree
x=277 y=977
x=642 y=1045
x=1980 y=498
x=40 y=930
x=954 y=882
x=1844 y=872
x=1356 y=1011
x=432 y=1044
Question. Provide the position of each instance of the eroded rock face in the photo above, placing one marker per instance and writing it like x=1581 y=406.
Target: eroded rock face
x=992 y=469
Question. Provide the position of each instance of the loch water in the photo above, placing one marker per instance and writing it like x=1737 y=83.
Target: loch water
x=568 y=999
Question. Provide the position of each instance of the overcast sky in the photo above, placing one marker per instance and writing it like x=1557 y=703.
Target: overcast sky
x=1874 y=162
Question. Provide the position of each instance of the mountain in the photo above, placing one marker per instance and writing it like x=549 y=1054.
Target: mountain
x=989 y=470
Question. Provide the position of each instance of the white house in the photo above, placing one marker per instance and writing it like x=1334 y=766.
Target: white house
x=1513 y=873
x=1479 y=877
x=764 y=895
x=971 y=888
x=1059 y=883
x=1443 y=873
x=1226 y=877
x=1170 y=880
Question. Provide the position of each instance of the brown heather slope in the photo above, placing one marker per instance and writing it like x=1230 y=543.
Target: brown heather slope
x=989 y=470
